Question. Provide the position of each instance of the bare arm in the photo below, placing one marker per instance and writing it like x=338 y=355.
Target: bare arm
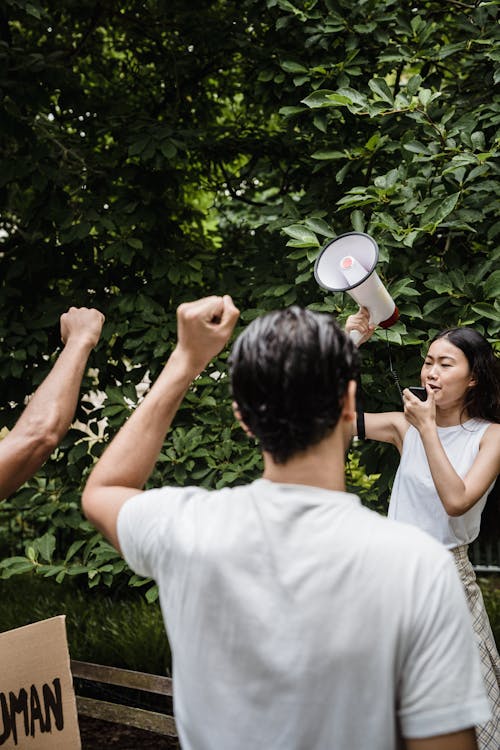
x=204 y=327
x=386 y=427
x=464 y=740
x=457 y=495
x=49 y=413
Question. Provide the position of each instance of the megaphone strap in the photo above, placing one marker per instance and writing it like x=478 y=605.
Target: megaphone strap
x=394 y=374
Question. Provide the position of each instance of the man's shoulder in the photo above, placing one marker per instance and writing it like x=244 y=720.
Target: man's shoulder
x=171 y=497
x=364 y=525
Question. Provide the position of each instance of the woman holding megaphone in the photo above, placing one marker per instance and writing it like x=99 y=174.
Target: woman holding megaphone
x=450 y=459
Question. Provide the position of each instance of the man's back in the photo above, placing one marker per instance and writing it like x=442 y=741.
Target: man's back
x=299 y=619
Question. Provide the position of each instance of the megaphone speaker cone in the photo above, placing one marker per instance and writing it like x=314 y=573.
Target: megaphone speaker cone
x=347 y=264
x=346 y=261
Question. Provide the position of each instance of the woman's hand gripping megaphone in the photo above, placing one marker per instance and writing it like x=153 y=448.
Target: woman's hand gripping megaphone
x=359 y=326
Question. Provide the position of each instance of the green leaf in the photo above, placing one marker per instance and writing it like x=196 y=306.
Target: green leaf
x=416 y=147
x=354 y=96
x=323 y=98
x=48 y=571
x=403 y=288
x=302 y=234
x=152 y=594
x=381 y=89
x=319 y=226
x=320 y=122
x=439 y=283
x=446 y=207
x=139 y=146
x=328 y=155
x=358 y=221
x=73 y=549
x=362 y=198
x=491 y=286
x=375 y=141
x=17 y=569
x=449 y=49
x=46 y=545
x=439 y=209
x=424 y=96
x=290 y=111
x=135 y=243
x=10 y=562
x=168 y=149
x=279 y=291
x=266 y=75
x=365 y=28
x=414 y=84
x=303 y=277
x=33 y=10
x=487 y=311
x=293 y=67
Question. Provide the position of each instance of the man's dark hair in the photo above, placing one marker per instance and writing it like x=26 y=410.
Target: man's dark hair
x=289 y=375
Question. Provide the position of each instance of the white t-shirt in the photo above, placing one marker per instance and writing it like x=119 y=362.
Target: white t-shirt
x=414 y=498
x=300 y=620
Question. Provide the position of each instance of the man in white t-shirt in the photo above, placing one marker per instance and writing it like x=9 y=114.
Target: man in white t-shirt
x=297 y=619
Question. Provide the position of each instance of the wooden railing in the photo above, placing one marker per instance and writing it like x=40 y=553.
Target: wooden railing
x=121 y=712
x=485 y=556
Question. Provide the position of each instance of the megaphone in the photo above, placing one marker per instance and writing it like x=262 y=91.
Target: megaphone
x=347 y=264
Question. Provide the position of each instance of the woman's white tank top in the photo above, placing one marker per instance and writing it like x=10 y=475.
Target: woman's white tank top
x=414 y=498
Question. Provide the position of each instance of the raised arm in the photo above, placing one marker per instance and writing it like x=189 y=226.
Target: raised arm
x=203 y=329
x=386 y=427
x=49 y=413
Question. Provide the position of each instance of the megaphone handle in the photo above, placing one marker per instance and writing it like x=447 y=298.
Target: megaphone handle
x=356 y=337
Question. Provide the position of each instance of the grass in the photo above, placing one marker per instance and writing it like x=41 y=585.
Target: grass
x=127 y=632
x=490 y=588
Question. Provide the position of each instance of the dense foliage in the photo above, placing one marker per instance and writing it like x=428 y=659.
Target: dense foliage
x=153 y=153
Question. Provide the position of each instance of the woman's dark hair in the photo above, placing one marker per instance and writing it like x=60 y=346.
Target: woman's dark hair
x=483 y=399
x=289 y=375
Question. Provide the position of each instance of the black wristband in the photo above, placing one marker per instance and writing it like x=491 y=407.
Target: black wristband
x=360 y=412
x=360 y=423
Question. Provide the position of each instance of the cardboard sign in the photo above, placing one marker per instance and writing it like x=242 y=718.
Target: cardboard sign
x=37 y=700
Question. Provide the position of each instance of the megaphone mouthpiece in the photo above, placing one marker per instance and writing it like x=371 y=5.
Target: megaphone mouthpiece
x=347 y=262
x=354 y=273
